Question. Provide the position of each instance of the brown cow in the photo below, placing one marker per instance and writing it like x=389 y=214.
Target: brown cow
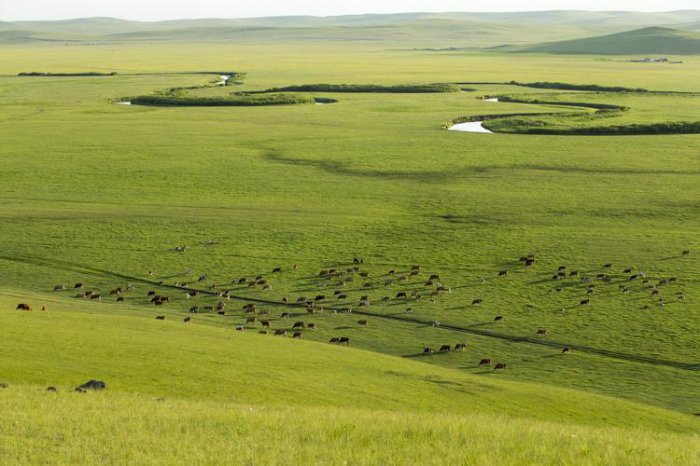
x=24 y=307
x=333 y=340
x=503 y=273
x=434 y=277
x=498 y=318
x=362 y=322
x=277 y=270
x=265 y=323
x=160 y=317
x=542 y=332
x=263 y=332
x=296 y=335
x=298 y=325
x=445 y=348
x=485 y=362
x=500 y=365
x=685 y=252
x=44 y=308
x=311 y=326
x=584 y=302
x=187 y=319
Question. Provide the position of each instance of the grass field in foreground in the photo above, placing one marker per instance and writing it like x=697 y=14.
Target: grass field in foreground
x=100 y=193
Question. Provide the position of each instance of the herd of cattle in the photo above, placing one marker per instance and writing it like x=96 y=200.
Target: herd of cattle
x=349 y=280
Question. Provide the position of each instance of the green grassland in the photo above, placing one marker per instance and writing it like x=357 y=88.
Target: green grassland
x=100 y=193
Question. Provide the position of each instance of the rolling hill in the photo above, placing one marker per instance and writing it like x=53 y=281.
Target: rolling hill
x=462 y=30
x=650 y=40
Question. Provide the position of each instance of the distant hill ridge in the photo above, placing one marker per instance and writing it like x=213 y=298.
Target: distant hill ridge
x=460 y=29
x=648 y=40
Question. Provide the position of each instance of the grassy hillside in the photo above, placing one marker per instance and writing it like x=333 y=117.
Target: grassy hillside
x=102 y=194
x=651 y=40
x=172 y=384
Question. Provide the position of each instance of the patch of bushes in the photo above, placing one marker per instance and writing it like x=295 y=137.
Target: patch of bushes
x=87 y=73
x=369 y=88
x=682 y=127
x=577 y=87
x=596 y=106
x=235 y=101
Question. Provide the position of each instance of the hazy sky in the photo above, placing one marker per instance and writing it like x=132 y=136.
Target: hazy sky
x=151 y=10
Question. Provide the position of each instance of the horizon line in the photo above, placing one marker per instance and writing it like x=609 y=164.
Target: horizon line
x=82 y=18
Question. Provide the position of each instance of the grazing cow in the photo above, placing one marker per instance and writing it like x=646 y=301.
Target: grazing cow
x=414 y=273
x=627 y=270
x=460 y=346
x=285 y=300
x=59 y=288
x=202 y=278
x=498 y=318
x=221 y=313
x=415 y=268
x=285 y=315
x=434 y=277
x=427 y=351
x=311 y=326
x=345 y=340
x=346 y=310
x=78 y=286
x=561 y=268
x=503 y=273
x=542 y=332
x=500 y=365
x=120 y=299
x=363 y=303
x=296 y=335
x=342 y=296
x=573 y=273
x=321 y=297
x=115 y=292
x=561 y=274
x=364 y=274
x=558 y=289
x=160 y=317
x=685 y=252
x=654 y=292
x=96 y=297
x=333 y=340
x=445 y=348
x=409 y=310
x=672 y=280
x=436 y=323
x=130 y=287
x=485 y=362
x=529 y=262
x=240 y=328
x=584 y=302
x=267 y=287
x=265 y=323
x=44 y=308
x=194 y=309
x=443 y=288
x=362 y=322
x=277 y=270
x=392 y=272
x=263 y=332
x=209 y=308
x=250 y=306
x=298 y=325
x=565 y=350
x=607 y=265
x=150 y=293
x=477 y=302
x=367 y=285
x=242 y=281
x=430 y=283
x=51 y=389
x=250 y=320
